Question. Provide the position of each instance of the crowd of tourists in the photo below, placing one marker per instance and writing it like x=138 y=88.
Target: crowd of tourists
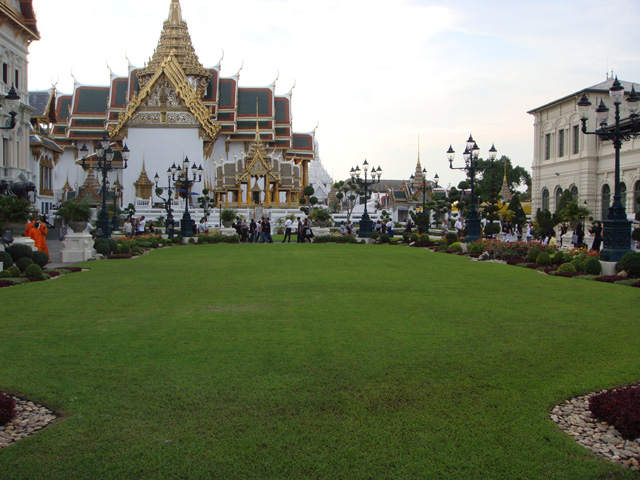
x=260 y=231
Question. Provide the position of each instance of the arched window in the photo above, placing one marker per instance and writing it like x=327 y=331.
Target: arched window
x=636 y=198
x=606 y=200
x=545 y=199
x=574 y=192
x=623 y=195
x=558 y=195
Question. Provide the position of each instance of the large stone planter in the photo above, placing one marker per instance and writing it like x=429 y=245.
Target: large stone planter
x=78 y=247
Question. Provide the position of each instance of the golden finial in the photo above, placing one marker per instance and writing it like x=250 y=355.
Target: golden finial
x=257 y=121
x=175 y=13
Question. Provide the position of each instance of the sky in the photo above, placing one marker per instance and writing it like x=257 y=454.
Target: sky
x=376 y=77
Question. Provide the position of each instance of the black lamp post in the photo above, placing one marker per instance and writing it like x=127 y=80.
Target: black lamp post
x=616 y=228
x=471 y=160
x=114 y=220
x=167 y=201
x=104 y=155
x=181 y=176
x=12 y=99
x=365 y=222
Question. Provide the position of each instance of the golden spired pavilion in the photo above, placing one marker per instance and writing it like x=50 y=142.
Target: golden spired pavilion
x=173 y=107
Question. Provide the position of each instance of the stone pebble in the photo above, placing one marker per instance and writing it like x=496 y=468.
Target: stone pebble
x=575 y=419
x=29 y=419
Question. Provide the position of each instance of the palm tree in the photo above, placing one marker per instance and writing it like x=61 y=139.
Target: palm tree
x=574 y=213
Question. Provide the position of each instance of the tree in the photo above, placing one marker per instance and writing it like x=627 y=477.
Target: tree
x=205 y=202
x=574 y=213
x=518 y=212
x=545 y=222
x=348 y=194
x=491 y=210
x=565 y=199
x=309 y=199
x=516 y=176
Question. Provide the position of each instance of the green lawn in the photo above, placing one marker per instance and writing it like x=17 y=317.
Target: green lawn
x=311 y=361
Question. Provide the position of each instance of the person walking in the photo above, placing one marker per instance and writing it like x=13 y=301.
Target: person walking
x=253 y=228
x=300 y=231
x=287 y=230
x=343 y=229
x=141 y=223
x=266 y=228
x=596 y=230
x=390 y=225
x=578 y=236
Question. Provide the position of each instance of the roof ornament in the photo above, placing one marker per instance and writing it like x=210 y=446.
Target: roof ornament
x=257 y=120
x=175 y=13
x=109 y=68
x=277 y=78
x=55 y=84
x=220 y=61
x=294 y=86
x=241 y=67
x=74 y=78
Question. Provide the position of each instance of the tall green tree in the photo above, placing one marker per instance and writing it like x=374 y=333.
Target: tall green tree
x=517 y=177
x=515 y=206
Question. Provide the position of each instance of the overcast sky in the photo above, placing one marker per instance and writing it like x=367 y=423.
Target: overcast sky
x=374 y=74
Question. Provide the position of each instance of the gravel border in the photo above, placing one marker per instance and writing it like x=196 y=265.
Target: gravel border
x=575 y=419
x=30 y=418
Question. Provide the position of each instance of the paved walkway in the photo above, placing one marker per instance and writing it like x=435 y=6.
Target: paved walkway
x=55 y=248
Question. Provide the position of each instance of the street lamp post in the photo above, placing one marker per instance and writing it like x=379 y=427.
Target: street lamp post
x=104 y=155
x=365 y=221
x=616 y=228
x=168 y=200
x=181 y=176
x=471 y=160
x=114 y=219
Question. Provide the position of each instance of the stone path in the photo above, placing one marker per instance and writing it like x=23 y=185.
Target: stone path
x=575 y=419
x=29 y=419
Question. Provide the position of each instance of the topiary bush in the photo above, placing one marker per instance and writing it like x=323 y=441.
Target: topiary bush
x=476 y=247
x=620 y=408
x=113 y=246
x=566 y=268
x=33 y=271
x=14 y=271
x=414 y=237
x=23 y=263
x=532 y=255
x=7 y=408
x=630 y=263
x=456 y=247
x=375 y=235
x=20 y=251
x=424 y=238
x=593 y=266
x=543 y=259
x=6 y=260
x=40 y=258
x=384 y=238
x=451 y=237
x=578 y=263
x=5 y=274
x=125 y=249
x=561 y=257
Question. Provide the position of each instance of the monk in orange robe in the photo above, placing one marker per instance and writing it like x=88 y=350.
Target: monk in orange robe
x=37 y=231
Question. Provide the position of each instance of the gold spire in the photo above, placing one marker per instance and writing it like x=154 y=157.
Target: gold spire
x=175 y=38
x=419 y=167
x=258 y=140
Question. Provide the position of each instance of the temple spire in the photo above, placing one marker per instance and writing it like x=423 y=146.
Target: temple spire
x=175 y=13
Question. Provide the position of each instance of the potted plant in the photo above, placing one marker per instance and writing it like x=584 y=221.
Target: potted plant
x=227 y=216
x=76 y=214
x=14 y=213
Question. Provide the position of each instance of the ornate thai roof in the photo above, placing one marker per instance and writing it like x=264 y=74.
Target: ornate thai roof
x=175 y=39
x=23 y=19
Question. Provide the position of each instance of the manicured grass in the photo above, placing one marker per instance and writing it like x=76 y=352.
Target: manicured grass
x=311 y=361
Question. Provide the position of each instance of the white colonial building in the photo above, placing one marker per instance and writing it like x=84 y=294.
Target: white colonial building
x=17 y=30
x=566 y=159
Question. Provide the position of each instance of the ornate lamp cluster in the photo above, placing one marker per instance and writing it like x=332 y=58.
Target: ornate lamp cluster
x=365 y=222
x=12 y=100
x=180 y=175
x=104 y=155
x=167 y=201
x=617 y=229
x=471 y=157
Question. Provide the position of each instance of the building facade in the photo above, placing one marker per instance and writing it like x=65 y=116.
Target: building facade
x=18 y=28
x=566 y=159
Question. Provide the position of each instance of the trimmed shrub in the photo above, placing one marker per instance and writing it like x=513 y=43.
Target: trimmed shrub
x=543 y=259
x=7 y=408
x=5 y=274
x=561 y=257
x=456 y=247
x=135 y=250
x=384 y=238
x=20 y=251
x=424 y=238
x=6 y=260
x=102 y=248
x=125 y=249
x=593 y=266
x=414 y=237
x=40 y=258
x=630 y=263
x=476 y=247
x=14 y=271
x=567 y=268
x=451 y=237
x=113 y=246
x=23 y=263
x=33 y=271
x=532 y=255
x=375 y=235
x=578 y=263
x=443 y=247
x=619 y=408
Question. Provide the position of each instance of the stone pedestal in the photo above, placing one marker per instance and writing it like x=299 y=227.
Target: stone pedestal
x=322 y=231
x=78 y=247
x=24 y=241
